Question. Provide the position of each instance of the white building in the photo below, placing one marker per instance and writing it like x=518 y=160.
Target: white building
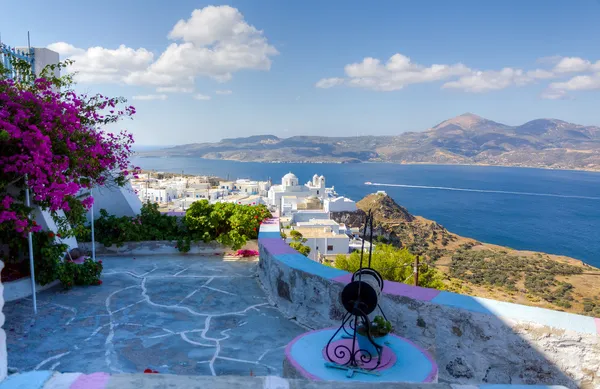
x=158 y=195
x=323 y=241
x=339 y=204
x=290 y=187
x=247 y=186
x=308 y=215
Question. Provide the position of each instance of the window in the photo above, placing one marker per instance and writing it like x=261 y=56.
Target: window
x=329 y=248
x=317 y=192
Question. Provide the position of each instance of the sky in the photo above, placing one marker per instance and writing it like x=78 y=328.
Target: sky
x=201 y=71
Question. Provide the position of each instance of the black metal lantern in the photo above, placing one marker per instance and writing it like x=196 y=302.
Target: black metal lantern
x=360 y=298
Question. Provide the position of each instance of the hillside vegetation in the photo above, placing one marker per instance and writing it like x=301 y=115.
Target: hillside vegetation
x=465 y=139
x=481 y=269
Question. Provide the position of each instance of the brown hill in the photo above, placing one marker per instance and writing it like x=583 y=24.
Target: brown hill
x=481 y=269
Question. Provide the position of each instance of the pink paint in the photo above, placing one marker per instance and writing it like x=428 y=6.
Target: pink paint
x=398 y=289
x=91 y=381
x=388 y=358
x=597 y=320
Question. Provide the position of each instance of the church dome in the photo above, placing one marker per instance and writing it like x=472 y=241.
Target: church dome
x=289 y=180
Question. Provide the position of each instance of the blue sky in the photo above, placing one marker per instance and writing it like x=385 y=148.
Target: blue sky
x=323 y=67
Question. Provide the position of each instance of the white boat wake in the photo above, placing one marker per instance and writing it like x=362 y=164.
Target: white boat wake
x=485 y=191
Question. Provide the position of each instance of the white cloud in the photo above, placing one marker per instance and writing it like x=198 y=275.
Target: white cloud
x=65 y=49
x=99 y=65
x=326 y=83
x=489 y=80
x=214 y=42
x=224 y=92
x=558 y=90
x=200 y=96
x=587 y=82
x=575 y=65
x=174 y=89
x=150 y=97
x=399 y=71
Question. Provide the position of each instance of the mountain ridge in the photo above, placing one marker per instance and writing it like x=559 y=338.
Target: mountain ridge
x=467 y=139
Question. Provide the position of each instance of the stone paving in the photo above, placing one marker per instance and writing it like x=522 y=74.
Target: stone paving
x=192 y=315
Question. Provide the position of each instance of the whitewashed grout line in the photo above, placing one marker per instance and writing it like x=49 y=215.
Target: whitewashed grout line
x=55 y=357
x=128 y=306
x=238 y=360
x=211 y=364
x=179 y=272
x=54 y=366
x=219 y=290
x=108 y=344
x=268 y=351
x=147 y=298
x=188 y=296
x=185 y=338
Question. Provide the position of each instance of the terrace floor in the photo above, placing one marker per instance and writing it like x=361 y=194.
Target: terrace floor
x=192 y=315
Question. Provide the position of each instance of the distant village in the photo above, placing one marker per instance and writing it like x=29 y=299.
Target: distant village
x=305 y=208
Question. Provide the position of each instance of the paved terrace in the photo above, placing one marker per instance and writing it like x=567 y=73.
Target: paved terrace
x=188 y=315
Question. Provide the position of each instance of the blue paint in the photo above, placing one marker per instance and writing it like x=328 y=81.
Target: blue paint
x=460 y=301
x=269 y=228
x=412 y=365
x=556 y=319
x=267 y=234
x=300 y=262
x=29 y=380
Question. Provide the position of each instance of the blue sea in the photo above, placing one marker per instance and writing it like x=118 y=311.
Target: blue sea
x=552 y=211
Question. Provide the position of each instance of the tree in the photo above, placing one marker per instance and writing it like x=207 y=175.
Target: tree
x=53 y=138
x=296 y=235
x=393 y=264
x=298 y=239
x=302 y=249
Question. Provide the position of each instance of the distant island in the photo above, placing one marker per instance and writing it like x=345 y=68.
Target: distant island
x=467 y=139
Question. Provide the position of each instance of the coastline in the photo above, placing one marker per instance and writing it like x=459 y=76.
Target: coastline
x=593 y=170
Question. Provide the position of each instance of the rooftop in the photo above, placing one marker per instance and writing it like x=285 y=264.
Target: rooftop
x=320 y=233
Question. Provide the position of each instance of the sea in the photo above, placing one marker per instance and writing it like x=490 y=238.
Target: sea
x=552 y=211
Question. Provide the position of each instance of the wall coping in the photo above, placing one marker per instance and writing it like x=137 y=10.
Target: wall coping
x=270 y=240
x=53 y=380
x=156 y=247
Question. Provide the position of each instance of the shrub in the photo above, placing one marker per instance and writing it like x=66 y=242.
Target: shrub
x=227 y=223
x=299 y=247
x=393 y=264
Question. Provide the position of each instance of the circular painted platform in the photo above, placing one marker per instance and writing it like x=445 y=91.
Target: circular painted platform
x=403 y=361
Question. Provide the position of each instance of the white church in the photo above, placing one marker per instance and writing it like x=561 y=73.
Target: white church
x=282 y=196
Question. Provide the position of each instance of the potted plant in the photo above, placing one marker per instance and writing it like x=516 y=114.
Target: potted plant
x=380 y=329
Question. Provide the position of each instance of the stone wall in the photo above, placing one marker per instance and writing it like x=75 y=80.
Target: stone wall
x=473 y=340
x=158 y=247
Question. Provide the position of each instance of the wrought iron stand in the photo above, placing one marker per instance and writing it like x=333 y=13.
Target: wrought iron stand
x=360 y=298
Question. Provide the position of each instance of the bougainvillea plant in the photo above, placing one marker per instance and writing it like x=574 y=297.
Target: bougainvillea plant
x=52 y=140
